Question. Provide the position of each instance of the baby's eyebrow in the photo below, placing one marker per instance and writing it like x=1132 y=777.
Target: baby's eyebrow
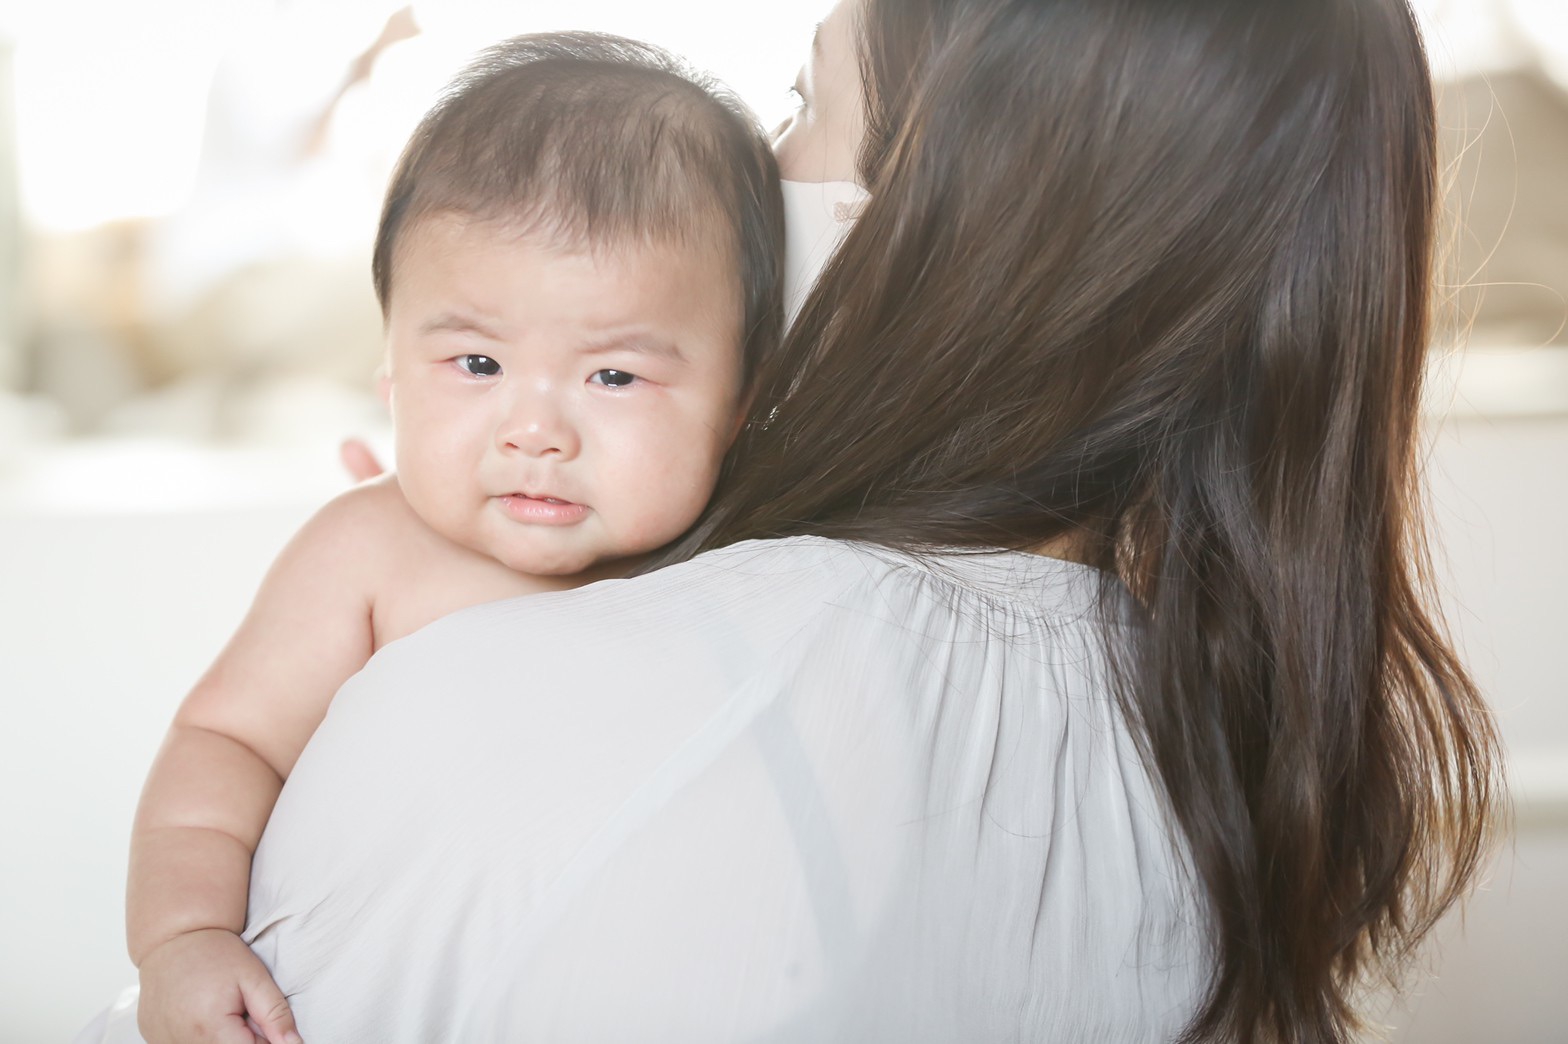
x=457 y=322
x=642 y=344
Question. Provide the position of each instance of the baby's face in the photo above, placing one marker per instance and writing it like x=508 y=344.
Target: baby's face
x=556 y=410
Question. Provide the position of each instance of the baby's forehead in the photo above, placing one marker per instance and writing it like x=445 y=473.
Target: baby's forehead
x=457 y=265
x=706 y=241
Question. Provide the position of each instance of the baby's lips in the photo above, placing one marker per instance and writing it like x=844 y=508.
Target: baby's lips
x=542 y=509
x=547 y=498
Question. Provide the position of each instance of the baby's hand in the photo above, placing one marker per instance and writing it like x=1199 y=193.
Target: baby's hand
x=201 y=985
x=359 y=460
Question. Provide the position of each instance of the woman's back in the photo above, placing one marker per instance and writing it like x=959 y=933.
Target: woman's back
x=805 y=790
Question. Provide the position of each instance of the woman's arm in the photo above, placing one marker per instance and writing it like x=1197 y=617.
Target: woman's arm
x=236 y=736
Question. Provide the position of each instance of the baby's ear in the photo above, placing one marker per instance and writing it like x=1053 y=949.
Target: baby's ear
x=383 y=379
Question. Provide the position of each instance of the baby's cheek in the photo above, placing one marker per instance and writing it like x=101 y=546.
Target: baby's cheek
x=664 y=513
x=663 y=483
x=651 y=531
x=431 y=505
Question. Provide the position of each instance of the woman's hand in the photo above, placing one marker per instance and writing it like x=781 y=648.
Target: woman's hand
x=208 y=986
x=359 y=461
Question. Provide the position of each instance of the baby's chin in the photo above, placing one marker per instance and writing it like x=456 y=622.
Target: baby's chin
x=584 y=565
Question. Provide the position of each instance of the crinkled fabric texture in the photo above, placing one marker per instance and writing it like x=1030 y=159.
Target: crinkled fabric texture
x=791 y=791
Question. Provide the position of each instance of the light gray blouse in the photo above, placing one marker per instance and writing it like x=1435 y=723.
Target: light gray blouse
x=793 y=790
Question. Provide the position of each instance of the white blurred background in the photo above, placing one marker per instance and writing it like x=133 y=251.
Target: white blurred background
x=188 y=193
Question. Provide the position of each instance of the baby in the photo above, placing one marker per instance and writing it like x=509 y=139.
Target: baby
x=578 y=264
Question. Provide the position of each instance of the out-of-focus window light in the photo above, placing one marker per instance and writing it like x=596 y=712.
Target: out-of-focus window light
x=1476 y=37
x=112 y=95
x=110 y=99
x=1465 y=37
x=755 y=48
x=1544 y=24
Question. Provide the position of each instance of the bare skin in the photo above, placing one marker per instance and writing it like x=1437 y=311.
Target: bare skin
x=820 y=140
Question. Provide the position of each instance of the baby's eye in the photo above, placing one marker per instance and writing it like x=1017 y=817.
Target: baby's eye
x=613 y=378
x=478 y=365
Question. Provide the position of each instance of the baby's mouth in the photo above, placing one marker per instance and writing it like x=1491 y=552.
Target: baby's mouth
x=542 y=508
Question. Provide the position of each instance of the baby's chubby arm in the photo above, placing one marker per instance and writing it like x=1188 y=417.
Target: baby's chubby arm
x=236 y=737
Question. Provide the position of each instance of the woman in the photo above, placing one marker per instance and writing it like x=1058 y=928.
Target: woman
x=1052 y=663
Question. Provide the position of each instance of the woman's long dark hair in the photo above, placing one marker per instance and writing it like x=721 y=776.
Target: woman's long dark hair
x=1154 y=276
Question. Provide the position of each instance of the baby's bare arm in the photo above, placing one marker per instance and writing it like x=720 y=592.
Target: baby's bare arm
x=237 y=735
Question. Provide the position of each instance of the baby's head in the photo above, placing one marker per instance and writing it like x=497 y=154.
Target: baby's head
x=578 y=265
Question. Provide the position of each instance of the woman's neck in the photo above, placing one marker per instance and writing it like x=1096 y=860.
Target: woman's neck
x=1074 y=546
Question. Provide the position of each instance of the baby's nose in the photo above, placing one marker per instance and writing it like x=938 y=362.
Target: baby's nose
x=536 y=425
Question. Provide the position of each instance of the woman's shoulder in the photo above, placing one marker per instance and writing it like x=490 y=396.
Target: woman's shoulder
x=755 y=593
x=996 y=575
x=979 y=586
x=762 y=610
x=778 y=585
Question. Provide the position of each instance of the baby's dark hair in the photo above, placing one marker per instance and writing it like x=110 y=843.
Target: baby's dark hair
x=595 y=140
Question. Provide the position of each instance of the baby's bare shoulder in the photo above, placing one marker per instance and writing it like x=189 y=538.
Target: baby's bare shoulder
x=368 y=524
x=373 y=507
